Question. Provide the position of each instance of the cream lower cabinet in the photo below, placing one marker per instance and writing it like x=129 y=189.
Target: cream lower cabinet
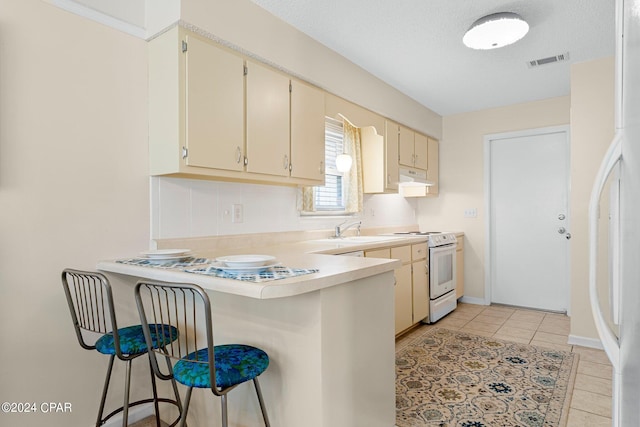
x=403 y=288
x=420 y=276
x=198 y=126
x=460 y=267
x=412 y=283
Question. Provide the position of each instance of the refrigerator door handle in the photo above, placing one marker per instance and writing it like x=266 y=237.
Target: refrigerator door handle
x=609 y=339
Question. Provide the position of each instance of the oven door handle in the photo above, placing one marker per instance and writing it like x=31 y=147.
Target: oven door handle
x=443 y=248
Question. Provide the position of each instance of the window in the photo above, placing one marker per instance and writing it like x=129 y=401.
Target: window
x=331 y=196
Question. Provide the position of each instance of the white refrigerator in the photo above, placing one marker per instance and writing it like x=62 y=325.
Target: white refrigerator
x=619 y=330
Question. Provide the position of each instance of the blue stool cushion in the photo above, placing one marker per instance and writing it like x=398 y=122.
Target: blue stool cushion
x=235 y=364
x=132 y=339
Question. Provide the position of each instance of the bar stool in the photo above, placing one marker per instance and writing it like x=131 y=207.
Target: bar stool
x=198 y=362
x=90 y=301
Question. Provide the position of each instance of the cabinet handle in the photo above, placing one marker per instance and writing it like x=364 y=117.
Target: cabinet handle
x=286 y=162
x=388 y=179
x=321 y=168
x=238 y=155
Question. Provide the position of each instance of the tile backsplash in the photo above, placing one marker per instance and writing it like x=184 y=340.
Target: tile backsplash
x=195 y=208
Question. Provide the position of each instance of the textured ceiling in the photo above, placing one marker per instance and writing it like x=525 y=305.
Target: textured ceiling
x=416 y=45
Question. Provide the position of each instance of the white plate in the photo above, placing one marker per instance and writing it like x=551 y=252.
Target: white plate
x=254 y=269
x=246 y=261
x=166 y=253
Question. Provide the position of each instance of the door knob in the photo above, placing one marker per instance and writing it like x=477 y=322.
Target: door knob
x=562 y=230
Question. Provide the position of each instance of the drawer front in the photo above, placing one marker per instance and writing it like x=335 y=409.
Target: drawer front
x=403 y=253
x=419 y=251
x=378 y=253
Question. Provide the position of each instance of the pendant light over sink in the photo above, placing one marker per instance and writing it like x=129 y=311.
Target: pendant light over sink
x=343 y=162
x=496 y=30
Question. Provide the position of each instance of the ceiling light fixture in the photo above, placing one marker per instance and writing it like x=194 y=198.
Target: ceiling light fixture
x=495 y=30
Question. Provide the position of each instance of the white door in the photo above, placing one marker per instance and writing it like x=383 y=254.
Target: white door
x=528 y=218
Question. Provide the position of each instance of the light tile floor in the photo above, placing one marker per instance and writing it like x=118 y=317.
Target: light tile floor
x=591 y=399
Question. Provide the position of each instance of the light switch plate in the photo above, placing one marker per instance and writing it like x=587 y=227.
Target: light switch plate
x=471 y=213
x=236 y=213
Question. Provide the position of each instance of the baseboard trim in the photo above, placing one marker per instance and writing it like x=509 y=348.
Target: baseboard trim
x=472 y=300
x=585 y=342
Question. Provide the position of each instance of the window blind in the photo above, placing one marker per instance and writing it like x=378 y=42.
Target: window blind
x=331 y=196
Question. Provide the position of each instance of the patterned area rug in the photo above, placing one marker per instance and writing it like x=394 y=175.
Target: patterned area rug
x=449 y=378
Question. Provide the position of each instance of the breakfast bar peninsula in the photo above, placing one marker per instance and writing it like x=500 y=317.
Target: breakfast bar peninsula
x=329 y=334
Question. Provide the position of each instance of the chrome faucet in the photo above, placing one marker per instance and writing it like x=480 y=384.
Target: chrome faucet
x=341 y=228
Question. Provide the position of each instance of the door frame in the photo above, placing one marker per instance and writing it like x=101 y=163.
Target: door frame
x=566 y=129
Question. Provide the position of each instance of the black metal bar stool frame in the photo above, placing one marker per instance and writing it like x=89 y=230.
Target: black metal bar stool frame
x=90 y=299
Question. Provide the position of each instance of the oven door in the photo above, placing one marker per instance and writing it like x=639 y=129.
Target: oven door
x=442 y=270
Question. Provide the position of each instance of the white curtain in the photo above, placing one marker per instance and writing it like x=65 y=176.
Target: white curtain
x=353 y=147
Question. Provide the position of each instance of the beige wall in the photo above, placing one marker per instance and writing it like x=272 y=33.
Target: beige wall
x=73 y=190
x=592 y=125
x=462 y=174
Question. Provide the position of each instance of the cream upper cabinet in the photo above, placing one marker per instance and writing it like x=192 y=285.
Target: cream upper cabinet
x=406 y=146
x=421 y=151
x=207 y=119
x=196 y=106
x=391 y=141
x=267 y=98
x=432 y=169
x=214 y=110
x=307 y=132
x=413 y=148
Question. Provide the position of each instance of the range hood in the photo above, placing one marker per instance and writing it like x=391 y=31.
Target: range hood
x=413 y=182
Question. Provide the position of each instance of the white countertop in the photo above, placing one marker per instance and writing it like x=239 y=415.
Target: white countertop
x=316 y=254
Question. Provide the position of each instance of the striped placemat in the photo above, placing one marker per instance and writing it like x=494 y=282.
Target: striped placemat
x=271 y=273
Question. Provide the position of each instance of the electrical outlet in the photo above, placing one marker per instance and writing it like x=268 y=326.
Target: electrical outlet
x=236 y=213
x=471 y=213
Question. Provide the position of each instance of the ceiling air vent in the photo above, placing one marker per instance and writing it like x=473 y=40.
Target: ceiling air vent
x=550 y=60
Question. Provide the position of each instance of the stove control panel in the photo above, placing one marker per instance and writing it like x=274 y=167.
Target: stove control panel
x=441 y=239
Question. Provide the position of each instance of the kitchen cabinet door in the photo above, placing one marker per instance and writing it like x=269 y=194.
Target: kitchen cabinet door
x=460 y=267
x=421 y=151
x=214 y=112
x=406 y=141
x=403 y=298
x=267 y=103
x=420 y=291
x=432 y=169
x=307 y=132
x=391 y=139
